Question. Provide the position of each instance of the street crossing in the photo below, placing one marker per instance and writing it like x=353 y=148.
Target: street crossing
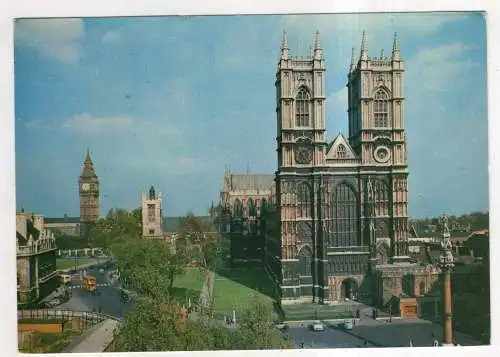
x=81 y=286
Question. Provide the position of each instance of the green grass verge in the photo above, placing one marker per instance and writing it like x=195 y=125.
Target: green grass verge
x=188 y=285
x=235 y=288
x=62 y=264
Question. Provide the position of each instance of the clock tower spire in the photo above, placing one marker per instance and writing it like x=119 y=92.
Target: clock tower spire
x=89 y=191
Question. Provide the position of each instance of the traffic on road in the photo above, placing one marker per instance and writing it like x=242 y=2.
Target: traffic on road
x=93 y=289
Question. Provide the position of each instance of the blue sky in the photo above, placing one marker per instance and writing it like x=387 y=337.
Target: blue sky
x=171 y=101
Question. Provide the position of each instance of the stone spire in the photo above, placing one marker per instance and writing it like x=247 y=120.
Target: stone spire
x=88 y=166
x=88 y=159
x=353 y=60
x=395 y=48
x=382 y=54
x=364 y=48
x=318 y=51
x=284 y=46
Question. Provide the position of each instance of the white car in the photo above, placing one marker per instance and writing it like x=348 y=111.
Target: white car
x=348 y=324
x=318 y=326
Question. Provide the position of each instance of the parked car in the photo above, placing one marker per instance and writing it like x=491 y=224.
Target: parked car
x=317 y=326
x=348 y=324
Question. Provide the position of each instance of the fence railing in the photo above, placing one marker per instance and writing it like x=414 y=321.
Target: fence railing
x=35 y=314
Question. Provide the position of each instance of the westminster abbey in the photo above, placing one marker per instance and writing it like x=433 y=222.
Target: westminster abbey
x=337 y=226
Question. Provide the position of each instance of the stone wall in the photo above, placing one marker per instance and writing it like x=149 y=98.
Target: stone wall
x=403 y=280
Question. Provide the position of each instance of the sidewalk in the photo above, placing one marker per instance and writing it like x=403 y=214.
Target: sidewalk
x=97 y=339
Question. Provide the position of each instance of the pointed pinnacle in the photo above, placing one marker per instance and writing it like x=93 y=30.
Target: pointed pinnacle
x=87 y=157
x=353 y=60
x=395 y=44
x=364 y=47
x=285 y=40
x=317 y=43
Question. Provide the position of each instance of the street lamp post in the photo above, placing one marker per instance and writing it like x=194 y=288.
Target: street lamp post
x=446 y=264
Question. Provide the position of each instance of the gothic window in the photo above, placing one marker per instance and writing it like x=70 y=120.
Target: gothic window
x=305 y=261
x=341 y=152
x=303 y=231
x=381 y=109
x=303 y=200
x=302 y=108
x=237 y=208
x=345 y=225
x=251 y=208
x=381 y=199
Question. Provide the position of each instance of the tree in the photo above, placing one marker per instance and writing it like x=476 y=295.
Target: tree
x=117 y=223
x=257 y=329
x=160 y=325
x=152 y=325
x=149 y=266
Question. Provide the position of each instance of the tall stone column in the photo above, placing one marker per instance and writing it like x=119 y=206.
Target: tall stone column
x=446 y=263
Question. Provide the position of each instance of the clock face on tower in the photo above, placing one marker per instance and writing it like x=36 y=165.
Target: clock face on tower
x=382 y=154
x=303 y=155
x=85 y=186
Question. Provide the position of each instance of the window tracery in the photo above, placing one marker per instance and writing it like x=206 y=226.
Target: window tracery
x=302 y=108
x=381 y=109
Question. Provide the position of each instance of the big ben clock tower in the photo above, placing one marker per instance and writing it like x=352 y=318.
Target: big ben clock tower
x=89 y=192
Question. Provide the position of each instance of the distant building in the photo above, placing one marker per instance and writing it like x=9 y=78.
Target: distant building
x=88 y=184
x=65 y=225
x=239 y=213
x=152 y=214
x=36 y=258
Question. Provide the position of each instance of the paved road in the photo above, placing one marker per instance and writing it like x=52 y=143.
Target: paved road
x=107 y=297
x=375 y=334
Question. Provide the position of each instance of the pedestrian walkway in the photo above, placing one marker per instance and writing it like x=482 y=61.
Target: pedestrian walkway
x=81 y=286
x=97 y=339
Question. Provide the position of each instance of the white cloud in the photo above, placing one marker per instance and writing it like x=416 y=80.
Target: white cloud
x=111 y=37
x=32 y=124
x=55 y=38
x=87 y=124
x=438 y=67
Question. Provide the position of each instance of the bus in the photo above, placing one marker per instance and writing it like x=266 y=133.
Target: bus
x=65 y=278
x=89 y=283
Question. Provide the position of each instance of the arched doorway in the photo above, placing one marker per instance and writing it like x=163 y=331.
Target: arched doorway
x=349 y=289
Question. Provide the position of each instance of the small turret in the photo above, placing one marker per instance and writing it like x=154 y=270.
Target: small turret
x=395 y=48
x=353 y=60
x=364 y=48
x=284 y=47
x=152 y=193
x=318 y=51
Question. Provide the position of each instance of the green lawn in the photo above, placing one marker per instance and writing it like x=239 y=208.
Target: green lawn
x=189 y=285
x=70 y=263
x=235 y=288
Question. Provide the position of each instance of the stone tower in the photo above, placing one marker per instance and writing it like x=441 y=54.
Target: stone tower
x=377 y=136
x=300 y=87
x=152 y=214
x=89 y=191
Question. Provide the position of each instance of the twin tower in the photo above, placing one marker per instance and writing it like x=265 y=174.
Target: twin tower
x=342 y=202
